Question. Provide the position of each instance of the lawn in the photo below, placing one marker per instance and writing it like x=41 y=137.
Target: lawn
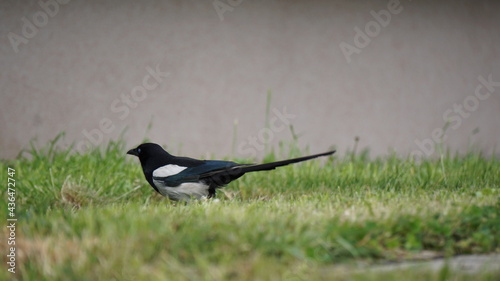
x=93 y=216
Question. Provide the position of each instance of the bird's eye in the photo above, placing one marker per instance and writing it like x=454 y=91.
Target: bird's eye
x=138 y=150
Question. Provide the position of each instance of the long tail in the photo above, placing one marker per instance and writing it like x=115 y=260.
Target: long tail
x=273 y=165
x=222 y=177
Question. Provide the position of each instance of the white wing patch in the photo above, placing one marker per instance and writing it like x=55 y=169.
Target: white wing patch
x=168 y=170
x=185 y=191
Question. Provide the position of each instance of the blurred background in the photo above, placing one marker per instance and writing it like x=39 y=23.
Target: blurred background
x=225 y=77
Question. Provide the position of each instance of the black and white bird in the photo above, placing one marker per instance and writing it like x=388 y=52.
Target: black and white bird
x=183 y=178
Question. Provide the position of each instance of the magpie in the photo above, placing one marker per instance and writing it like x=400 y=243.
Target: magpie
x=184 y=178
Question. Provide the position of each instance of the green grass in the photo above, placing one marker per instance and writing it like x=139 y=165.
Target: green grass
x=92 y=216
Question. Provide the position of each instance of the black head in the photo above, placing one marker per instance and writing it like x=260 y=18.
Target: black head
x=151 y=156
x=147 y=151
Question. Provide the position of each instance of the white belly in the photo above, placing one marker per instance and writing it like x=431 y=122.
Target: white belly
x=184 y=192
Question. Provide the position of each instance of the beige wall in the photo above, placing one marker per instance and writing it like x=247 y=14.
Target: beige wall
x=77 y=70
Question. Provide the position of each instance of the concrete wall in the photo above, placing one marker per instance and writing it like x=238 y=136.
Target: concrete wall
x=86 y=70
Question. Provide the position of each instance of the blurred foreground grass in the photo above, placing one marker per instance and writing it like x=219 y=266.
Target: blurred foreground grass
x=93 y=216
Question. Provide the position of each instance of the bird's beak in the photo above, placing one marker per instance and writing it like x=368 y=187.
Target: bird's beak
x=133 y=151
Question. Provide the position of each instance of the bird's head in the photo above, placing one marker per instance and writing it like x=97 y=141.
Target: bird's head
x=146 y=151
